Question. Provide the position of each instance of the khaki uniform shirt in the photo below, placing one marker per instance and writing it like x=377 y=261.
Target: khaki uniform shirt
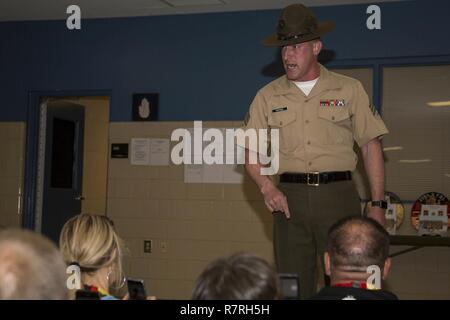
x=317 y=132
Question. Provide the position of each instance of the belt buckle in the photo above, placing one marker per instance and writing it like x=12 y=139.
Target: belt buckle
x=308 y=178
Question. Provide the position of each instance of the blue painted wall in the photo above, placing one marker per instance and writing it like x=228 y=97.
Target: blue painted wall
x=205 y=66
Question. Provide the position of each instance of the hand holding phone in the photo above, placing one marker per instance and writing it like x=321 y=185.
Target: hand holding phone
x=289 y=286
x=136 y=289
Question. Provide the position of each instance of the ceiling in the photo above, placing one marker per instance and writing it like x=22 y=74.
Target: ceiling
x=17 y=10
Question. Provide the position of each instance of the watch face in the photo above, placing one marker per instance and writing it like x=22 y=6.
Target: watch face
x=427 y=199
x=381 y=203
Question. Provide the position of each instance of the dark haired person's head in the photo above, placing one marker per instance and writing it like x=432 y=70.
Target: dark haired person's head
x=242 y=276
x=355 y=243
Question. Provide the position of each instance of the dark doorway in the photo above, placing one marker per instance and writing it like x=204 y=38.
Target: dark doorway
x=63 y=169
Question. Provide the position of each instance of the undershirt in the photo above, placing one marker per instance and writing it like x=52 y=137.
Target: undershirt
x=306 y=86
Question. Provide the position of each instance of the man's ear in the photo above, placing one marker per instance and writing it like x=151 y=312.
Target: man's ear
x=387 y=268
x=317 y=47
x=327 y=262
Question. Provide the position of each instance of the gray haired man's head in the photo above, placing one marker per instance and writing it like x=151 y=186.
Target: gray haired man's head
x=355 y=243
x=31 y=267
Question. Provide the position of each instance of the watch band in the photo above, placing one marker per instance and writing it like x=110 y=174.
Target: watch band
x=379 y=203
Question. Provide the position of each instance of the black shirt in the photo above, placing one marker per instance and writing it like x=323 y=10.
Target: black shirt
x=350 y=293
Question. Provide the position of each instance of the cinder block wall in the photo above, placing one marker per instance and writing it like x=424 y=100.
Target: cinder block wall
x=190 y=224
x=12 y=156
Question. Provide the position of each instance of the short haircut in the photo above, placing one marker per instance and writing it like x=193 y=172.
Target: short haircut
x=31 y=267
x=356 y=242
x=241 y=276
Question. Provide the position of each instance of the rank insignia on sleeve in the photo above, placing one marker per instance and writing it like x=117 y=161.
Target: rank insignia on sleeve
x=373 y=109
x=332 y=103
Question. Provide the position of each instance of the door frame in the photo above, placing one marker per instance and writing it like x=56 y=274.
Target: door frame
x=31 y=146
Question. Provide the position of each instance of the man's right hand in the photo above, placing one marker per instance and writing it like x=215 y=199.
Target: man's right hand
x=275 y=200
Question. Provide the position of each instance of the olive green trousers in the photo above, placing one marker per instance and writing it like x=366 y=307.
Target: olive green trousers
x=299 y=240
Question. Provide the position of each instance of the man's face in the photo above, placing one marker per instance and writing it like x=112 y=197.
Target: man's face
x=298 y=59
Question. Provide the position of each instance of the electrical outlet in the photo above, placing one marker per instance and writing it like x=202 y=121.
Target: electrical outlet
x=163 y=246
x=147 y=246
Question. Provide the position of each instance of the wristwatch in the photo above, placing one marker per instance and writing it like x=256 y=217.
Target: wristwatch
x=379 y=203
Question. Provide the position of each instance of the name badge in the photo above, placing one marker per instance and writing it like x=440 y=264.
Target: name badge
x=279 y=109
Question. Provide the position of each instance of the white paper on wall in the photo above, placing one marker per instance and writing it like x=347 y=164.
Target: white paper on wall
x=193 y=173
x=212 y=173
x=214 y=149
x=159 y=152
x=140 y=151
x=233 y=173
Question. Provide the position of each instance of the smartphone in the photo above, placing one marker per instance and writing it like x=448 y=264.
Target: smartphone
x=86 y=295
x=289 y=286
x=136 y=289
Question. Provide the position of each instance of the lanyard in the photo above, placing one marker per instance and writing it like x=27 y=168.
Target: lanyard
x=360 y=285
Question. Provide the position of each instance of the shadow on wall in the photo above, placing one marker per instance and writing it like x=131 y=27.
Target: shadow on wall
x=275 y=68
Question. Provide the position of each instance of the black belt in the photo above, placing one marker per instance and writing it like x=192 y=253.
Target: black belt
x=316 y=178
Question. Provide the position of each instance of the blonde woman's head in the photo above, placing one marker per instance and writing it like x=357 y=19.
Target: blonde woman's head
x=92 y=242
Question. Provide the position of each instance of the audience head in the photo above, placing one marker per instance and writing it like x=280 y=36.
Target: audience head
x=31 y=267
x=355 y=243
x=241 y=276
x=91 y=242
